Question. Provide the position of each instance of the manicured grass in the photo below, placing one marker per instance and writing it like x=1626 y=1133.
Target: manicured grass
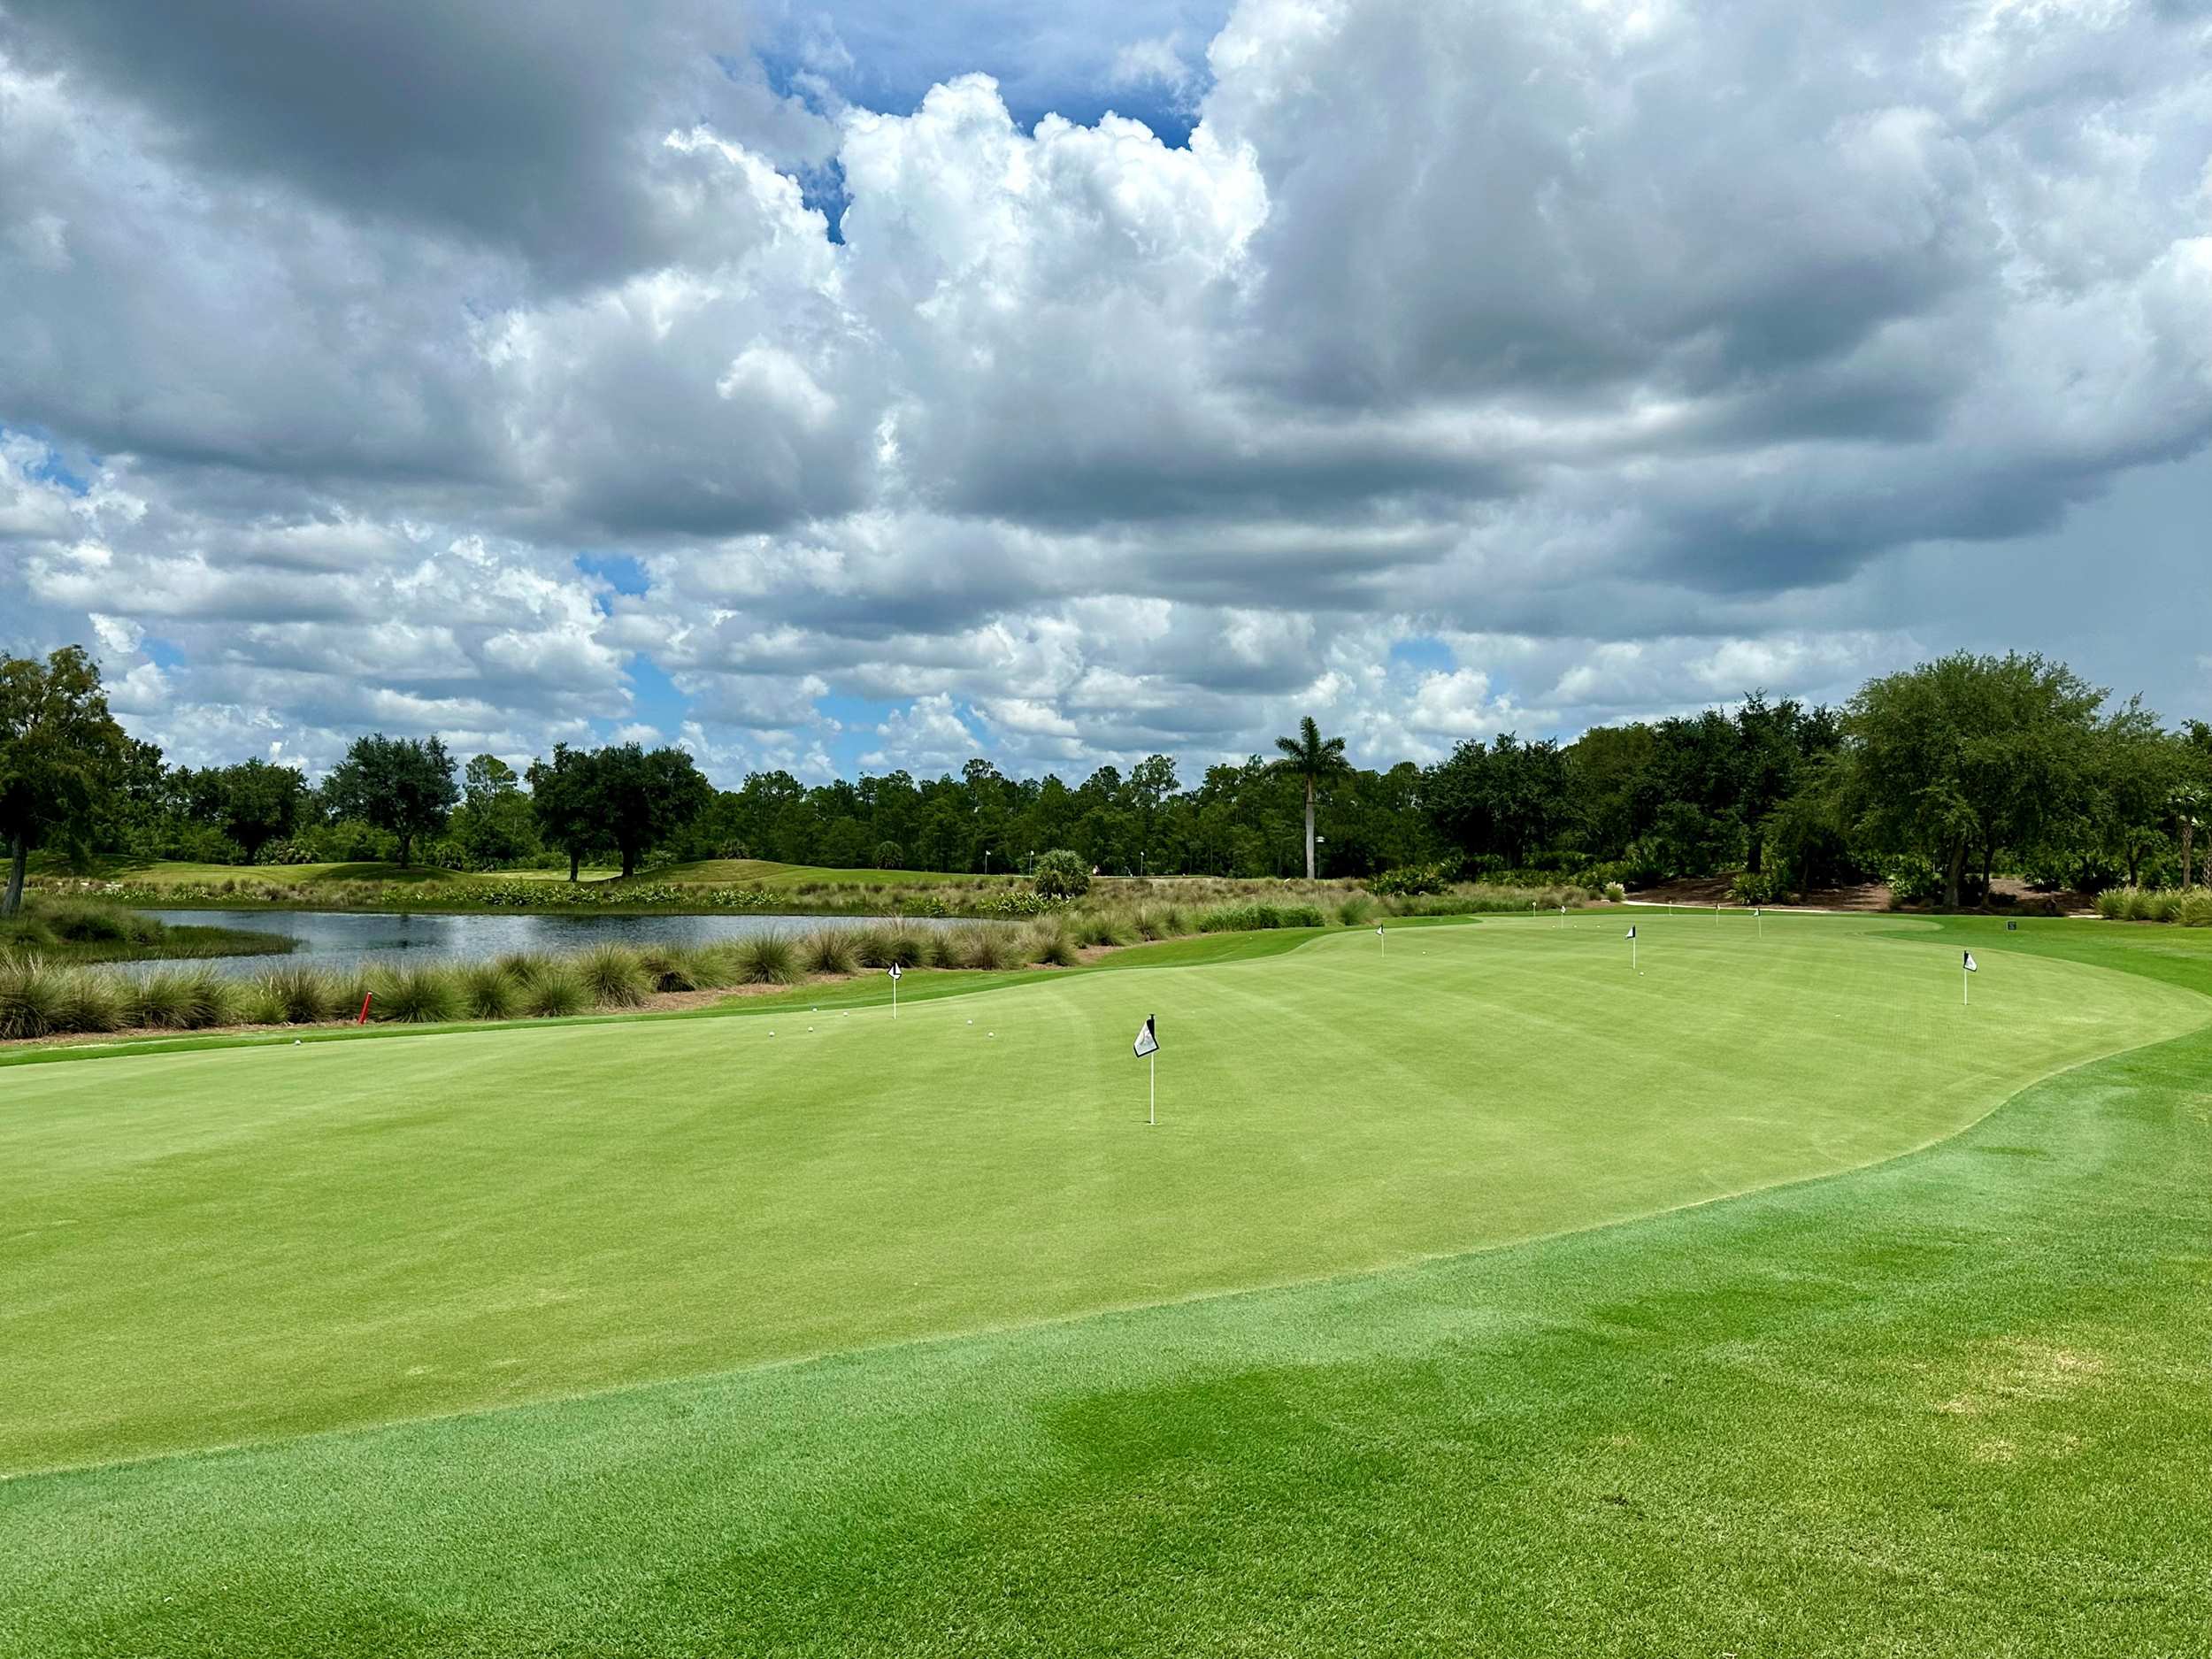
x=1953 y=1402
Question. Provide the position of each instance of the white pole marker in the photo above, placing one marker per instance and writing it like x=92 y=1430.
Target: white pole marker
x=1148 y=1049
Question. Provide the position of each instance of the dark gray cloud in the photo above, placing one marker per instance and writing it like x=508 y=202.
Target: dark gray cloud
x=530 y=127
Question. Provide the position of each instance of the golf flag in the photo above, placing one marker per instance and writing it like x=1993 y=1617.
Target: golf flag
x=1972 y=965
x=1147 y=1051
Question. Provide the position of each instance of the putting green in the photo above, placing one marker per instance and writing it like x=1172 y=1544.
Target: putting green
x=241 y=1244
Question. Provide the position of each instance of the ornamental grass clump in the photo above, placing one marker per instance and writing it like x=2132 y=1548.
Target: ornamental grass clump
x=767 y=959
x=89 y=1001
x=208 y=999
x=613 y=977
x=829 y=950
x=483 y=990
x=1048 y=944
x=555 y=991
x=424 y=996
x=33 y=997
x=160 y=1002
x=296 y=995
x=983 y=947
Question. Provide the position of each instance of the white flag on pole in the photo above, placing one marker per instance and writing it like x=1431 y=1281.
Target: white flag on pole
x=1972 y=965
x=1148 y=1041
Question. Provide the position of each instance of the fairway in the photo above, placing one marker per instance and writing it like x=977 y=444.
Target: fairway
x=245 y=1245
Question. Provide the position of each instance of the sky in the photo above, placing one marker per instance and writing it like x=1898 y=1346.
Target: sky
x=880 y=385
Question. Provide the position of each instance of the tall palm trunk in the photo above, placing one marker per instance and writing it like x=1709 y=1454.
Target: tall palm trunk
x=17 y=856
x=1308 y=829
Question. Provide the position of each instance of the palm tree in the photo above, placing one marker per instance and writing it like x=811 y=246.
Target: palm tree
x=1313 y=757
x=2188 y=801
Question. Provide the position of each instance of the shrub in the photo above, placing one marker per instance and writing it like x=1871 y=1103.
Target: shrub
x=555 y=991
x=613 y=976
x=1408 y=879
x=482 y=990
x=81 y=922
x=1761 y=887
x=1913 y=880
x=1062 y=874
x=766 y=959
x=829 y=950
x=424 y=996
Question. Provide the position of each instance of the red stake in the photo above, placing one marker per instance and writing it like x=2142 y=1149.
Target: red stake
x=364 y=1008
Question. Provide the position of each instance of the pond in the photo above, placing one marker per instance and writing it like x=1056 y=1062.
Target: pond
x=342 y=939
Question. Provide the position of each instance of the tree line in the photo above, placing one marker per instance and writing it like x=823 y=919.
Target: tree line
x=1936 y=779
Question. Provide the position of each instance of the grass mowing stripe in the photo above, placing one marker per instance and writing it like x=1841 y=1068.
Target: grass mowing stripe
x=1950 y=1404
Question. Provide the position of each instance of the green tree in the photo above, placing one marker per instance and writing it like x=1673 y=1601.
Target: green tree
x=260 y=803
x=493 y=825
x=61 y=754
x=1152 y=781
x=1968 y=755
x=401 y=784
x=565 y=802
x=1311 y=759
x=645 y=797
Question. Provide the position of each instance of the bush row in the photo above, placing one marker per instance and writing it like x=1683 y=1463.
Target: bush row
x=2188 y=907
x=39 y=998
